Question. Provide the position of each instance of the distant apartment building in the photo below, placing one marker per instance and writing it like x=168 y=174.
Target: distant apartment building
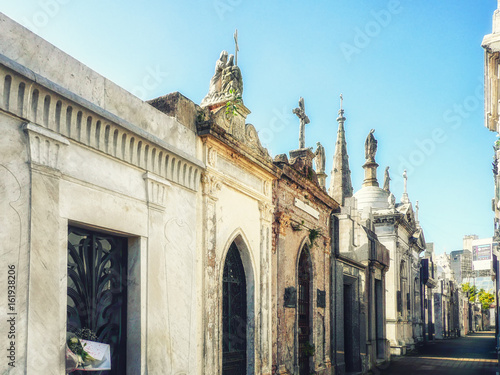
x=461 y=265
x=483 y=251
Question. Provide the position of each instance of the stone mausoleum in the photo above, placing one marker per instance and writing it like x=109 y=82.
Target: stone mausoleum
x=167 y=229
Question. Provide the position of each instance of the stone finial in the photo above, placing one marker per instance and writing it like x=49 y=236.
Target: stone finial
x=301 y=114
x=405 y=198
x=392 y=200
x=319 y=160
x=416 y=212
x=387 y=180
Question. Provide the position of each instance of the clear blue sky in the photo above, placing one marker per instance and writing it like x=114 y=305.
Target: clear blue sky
x=413 y=70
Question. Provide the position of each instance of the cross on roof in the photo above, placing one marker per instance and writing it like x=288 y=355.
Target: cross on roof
x=236 y=48
x=301 y=114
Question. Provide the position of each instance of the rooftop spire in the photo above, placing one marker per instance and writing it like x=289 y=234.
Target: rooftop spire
x=340 y=184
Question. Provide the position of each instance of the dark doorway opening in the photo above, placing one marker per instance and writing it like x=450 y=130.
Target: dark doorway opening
x=348 y=328
x=379 y=320
x=234 y=315
x=97 y=291
x=304 y=318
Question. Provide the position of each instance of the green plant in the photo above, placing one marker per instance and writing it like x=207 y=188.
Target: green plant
x=309 y=349
x=231 y=108
x=201 y=117
x=310 y=173
x=486 y=299
x=313 y=234
x=483 y=297
x=297 y=227
x=471 y=289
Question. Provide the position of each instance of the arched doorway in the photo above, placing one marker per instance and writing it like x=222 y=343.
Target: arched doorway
x=234 y=314
x=304 y=311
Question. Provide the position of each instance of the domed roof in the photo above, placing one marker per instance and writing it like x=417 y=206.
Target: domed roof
x=372 y=196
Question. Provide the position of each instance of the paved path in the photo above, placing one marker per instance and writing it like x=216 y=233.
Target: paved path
x=470 y=355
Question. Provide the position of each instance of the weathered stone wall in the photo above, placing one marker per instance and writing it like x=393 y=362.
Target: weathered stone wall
x=80 y=151
x=236 y=207
x=40 y=57
x=302 y=223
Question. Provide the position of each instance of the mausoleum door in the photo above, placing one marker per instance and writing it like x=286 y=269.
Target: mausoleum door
x=304 y=305
x=234 y=315
x=97 y=292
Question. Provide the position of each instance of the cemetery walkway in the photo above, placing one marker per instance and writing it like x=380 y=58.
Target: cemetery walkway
x=473 y=354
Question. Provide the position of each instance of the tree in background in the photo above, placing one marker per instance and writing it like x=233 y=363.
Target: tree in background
x=471 y=290
x=483 y=297
x=486 y=299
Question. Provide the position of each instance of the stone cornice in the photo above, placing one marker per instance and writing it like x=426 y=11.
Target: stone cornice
x=45 y=146
x=156 y=189
x=50 y=106
x=300 y=180
x=214 y=131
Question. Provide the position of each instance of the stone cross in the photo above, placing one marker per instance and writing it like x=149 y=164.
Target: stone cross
x=405 y=176
x=301 y=114
x=237 y=48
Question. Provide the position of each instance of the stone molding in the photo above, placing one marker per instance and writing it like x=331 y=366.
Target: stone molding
x=156 y=190
x=212 y=157
x=45 y=146
x=266 y=211
x=283 y=222
x=51 y=107
x=211 y=185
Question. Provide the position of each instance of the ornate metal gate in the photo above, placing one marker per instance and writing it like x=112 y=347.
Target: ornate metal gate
x=304 y=276
x=234 y=315
x=97 y=293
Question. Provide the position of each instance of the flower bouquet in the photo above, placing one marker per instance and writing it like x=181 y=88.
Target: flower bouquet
x=86 y=355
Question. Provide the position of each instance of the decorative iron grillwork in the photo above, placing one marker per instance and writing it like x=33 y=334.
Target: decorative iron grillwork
x=234 y=315
x=97 y=293
x=304 y=279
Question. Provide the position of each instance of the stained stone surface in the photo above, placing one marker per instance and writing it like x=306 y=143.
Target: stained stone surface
x=78 y=150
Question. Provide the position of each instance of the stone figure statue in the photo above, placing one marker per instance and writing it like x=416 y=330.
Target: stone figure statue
x=319 y=159
x=226 y=83
x=387 y=178
x=301 y=114
x=370 y=147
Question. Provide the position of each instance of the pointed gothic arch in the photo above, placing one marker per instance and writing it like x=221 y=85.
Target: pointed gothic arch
x=304 y=308
x=237 y=318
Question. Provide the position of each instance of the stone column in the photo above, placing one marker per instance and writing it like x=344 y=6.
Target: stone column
x=159 y=352
x=322 y=180
x=210 y=288
x=47 y=284
x=281 y=354
x=327 y=276
x=370 y=168
x=266 y=215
